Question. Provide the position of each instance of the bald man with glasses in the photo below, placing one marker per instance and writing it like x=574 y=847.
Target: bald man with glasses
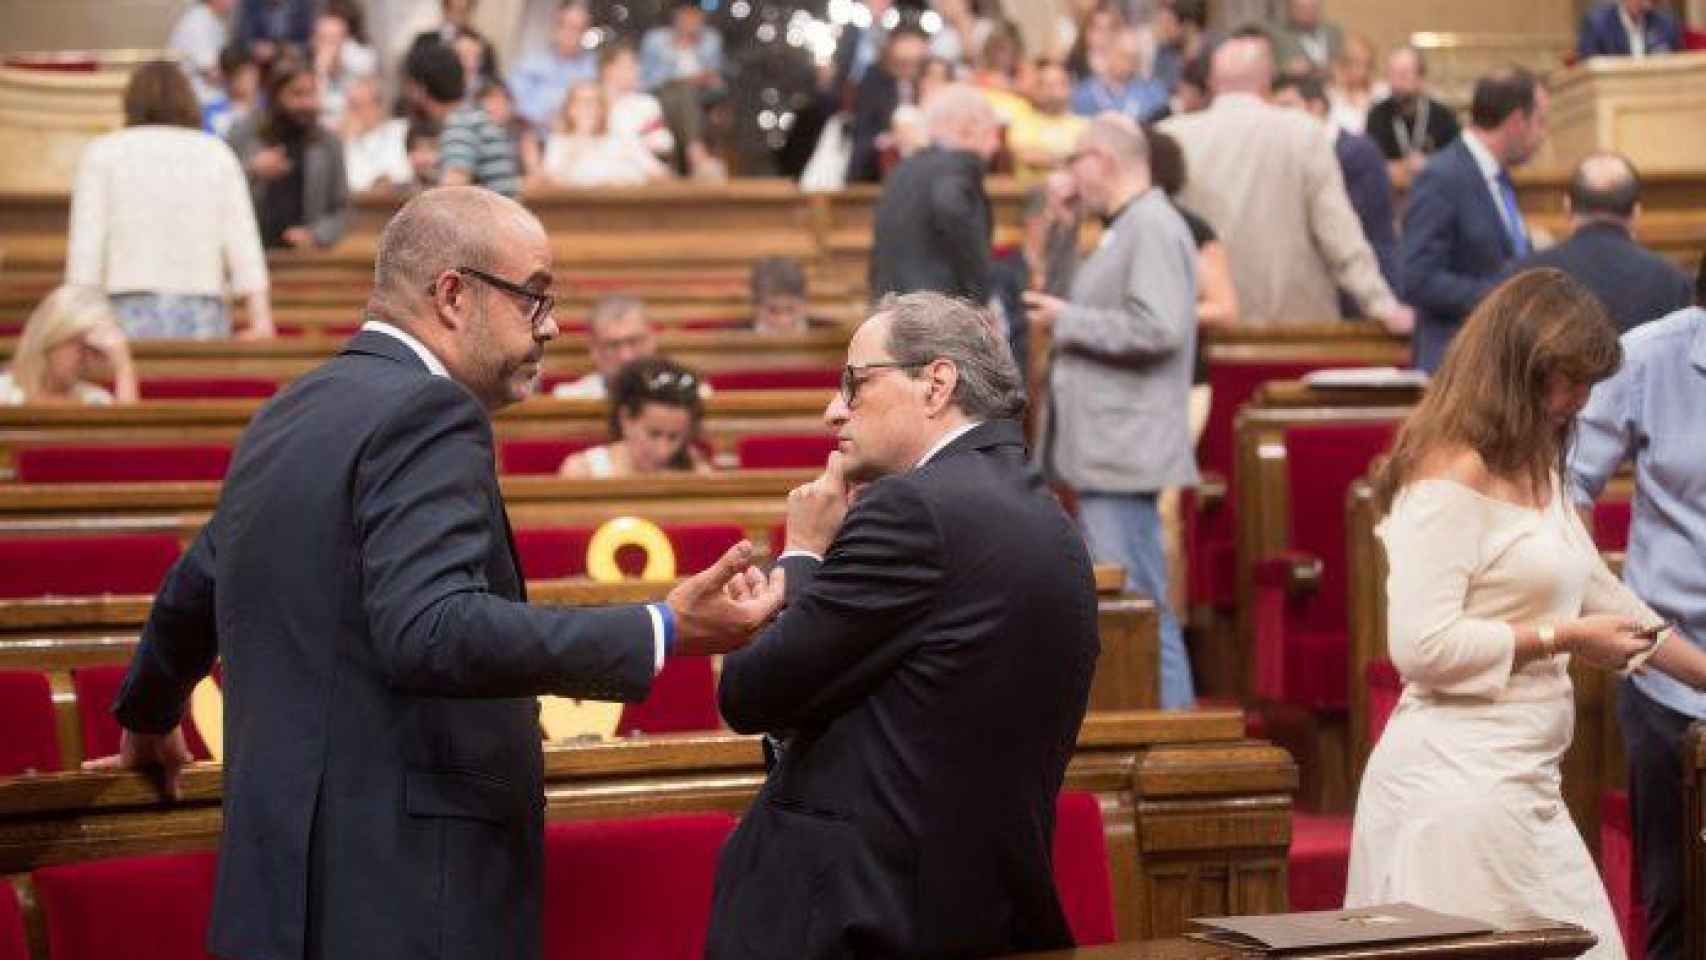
x=383 y=783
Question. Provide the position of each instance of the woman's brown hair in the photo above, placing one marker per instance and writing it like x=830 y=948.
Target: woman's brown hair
x=158 y=93
x=1489 y=394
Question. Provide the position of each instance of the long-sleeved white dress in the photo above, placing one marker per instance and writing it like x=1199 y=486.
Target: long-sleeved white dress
x=1460 y=808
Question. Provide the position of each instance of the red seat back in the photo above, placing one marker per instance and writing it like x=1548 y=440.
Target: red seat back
x=1611 y=520
x=1385 y=686
x=140 y=908
x=784 y=450
x=97 y=688
x=206 y=388
x=85 y=566
x=683 y=699
x=14 y=945
x=1322 y=461
x=122 y=463
x=540 y=457
x=548 y=553
x=631 y=889
x=30 y=742
x=1081 y=868
x=1621 y=872
x=781 y=378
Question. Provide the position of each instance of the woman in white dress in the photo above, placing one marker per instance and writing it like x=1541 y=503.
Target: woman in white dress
x=655 y=410
x=1494 y=585
x=585 y=152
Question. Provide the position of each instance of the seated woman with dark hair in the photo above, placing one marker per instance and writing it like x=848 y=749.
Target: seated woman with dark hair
x=655 y=412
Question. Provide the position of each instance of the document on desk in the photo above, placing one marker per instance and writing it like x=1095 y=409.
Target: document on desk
x=1388 y=923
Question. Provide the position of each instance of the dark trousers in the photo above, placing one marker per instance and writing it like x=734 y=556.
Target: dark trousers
x=1652 y=739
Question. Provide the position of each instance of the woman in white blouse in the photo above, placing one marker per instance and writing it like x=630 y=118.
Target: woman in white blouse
x=1494 y=585
x=70 y=335
x=656 y=407
x=162 y=221
x=585 y=153
x=1354 y=89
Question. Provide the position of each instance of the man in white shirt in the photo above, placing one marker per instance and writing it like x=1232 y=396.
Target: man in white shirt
x=618 y=332
x=197 y=38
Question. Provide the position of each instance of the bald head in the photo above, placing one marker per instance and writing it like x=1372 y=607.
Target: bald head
x=1111 y=162
x=1117 y=136
x=1242 y=65
x=959 y=117
x=1605 y=186
x=442 y=229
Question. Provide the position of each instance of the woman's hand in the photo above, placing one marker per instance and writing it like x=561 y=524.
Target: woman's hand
x=1604 y=640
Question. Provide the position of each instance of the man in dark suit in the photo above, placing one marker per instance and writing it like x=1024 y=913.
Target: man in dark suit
x=1462 y=228
x=933 y=226
x=1635 y=284
x=383 y=774
x=1627 y=28
x=927 y=676
x=883 y=88
x=1409 y=125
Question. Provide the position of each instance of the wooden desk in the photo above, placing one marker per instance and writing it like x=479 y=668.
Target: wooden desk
x=1551 y=940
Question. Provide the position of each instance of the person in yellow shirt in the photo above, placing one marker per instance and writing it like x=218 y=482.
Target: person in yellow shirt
x=1042 y=138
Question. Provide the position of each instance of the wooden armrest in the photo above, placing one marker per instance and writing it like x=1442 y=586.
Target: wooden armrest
x=1211 y=491
x=1294 y=571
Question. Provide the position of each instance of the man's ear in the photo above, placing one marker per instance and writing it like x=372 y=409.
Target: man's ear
x=942 y=378
x=452 y=299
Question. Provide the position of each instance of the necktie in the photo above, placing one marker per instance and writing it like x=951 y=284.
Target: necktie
x=1513 y=217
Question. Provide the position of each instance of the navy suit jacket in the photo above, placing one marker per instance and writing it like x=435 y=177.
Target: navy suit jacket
x=931 y=673
x=1369 y=187
x=1635 y=284
x=1602 y=34
x=1454 y=248
x=383 y=775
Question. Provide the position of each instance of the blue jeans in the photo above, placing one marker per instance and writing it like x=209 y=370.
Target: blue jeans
x=1125 y=528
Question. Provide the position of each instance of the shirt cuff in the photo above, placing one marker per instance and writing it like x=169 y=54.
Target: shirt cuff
x=663 y=634
x=799 y=553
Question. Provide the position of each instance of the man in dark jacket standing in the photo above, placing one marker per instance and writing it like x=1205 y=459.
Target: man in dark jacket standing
x=933 y=222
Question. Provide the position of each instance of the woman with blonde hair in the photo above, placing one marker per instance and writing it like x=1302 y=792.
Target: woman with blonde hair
x=1494 y=586
x=69 y=331
x=585 y=152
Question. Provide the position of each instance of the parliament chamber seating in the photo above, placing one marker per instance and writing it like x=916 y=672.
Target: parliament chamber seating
x=205 y=388
x=780 y=451
x=85 y=565
x=781 y=378
x=1081 y=868
x=552 y=553
x=14 y=942
x=121 y=463
x=30 y=743
x=540 y=457
x=683 y=698
x=97 y=688
x=142 y=908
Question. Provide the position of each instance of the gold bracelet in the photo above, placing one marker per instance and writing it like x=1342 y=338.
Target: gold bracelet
x=1548 y=641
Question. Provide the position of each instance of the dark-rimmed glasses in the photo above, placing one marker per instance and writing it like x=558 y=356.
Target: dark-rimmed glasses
x=542 y=303
x=851 y=380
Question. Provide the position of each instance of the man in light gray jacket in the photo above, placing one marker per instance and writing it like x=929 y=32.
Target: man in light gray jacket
x=1114 y=424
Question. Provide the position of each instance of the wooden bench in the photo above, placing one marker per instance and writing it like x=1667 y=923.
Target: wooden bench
x=1196 y=818
x=1543 y=939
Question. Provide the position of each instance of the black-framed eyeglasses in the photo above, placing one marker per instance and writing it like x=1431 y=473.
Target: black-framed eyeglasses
x=851 y=380
x=542 y=303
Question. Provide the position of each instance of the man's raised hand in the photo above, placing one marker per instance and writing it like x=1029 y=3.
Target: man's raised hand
x=719 y=610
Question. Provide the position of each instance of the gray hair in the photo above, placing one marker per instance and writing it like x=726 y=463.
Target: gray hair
x=927 y=326
x=442 y=229
x=1120 y=136
x=956 y=108
x=777 y=276
x=611 y=308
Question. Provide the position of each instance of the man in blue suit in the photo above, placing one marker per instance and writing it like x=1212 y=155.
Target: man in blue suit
x=1463 y=229
x=1627 y=28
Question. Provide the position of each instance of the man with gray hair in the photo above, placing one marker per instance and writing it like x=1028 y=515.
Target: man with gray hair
x=933 y=225
x=1115 y=425
x=1634 y=284
x=618 y=333
x=927 y=677
x=358 y=583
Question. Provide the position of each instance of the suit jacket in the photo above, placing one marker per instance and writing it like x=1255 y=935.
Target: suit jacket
x=933 y=228
x=1453 y=249
x=383 y=781
x=1438 y=131
x=1635 y=284
x=1267 y=180
x=1124 y=348
x=1602 y=33
x=874 y=103
x=325 y=185
x=1368 y=185
x=933 y=671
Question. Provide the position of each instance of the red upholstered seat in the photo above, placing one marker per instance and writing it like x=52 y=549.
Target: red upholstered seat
x=84 y=566
x=206 y=388
x=1621 y=873
x=1212 y=544
x=139 y=908
x=1081 y=868
x=13 y=943
x=1302 y=642
x=122 y=463
x=793 y=378
x=1385 y=686
x=1319 y=861
x=544 y=457
x=97 y=688
x=548 y=553
x=635 y=889
x=1611 y=520
x=30 y=742
x=683 y=699
x=783 y=450
x=714 y=323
